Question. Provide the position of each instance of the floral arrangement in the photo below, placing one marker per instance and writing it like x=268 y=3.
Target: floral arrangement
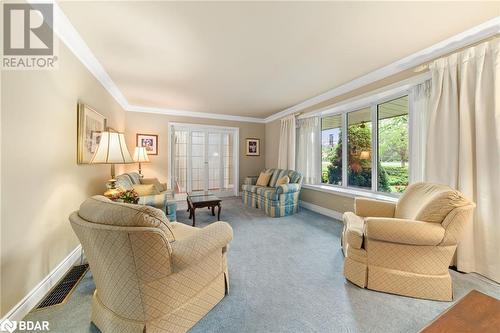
x=128 y=196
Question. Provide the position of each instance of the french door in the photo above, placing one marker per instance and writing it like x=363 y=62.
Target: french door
x=204 y=159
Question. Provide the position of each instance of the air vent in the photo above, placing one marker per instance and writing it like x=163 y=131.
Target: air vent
x=61 y=292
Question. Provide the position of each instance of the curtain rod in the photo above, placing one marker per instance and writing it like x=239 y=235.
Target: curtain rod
x=425 y=66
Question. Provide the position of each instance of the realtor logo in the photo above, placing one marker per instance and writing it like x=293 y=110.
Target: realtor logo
x=28 y=38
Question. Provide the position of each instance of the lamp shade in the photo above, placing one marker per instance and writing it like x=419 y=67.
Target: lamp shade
x=112 y=150
x=140 y=154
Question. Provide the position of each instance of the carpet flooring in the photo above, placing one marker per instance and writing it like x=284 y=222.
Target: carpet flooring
x=286 y=276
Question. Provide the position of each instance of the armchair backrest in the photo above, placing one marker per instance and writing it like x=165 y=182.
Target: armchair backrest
x=126 y=246
x=295 y=176
x=127 y=180
x=429 y=202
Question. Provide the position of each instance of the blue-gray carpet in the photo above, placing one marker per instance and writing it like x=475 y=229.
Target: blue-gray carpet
x=286 y=276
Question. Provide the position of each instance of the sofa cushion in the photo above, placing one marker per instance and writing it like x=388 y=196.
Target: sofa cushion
x=283 y=181
x=99 y=209
x=263 y=179
x=124 y=182
x=135 y=177
x=145 y=189
x=295 y=177
x=428 y=202
x=153 y=181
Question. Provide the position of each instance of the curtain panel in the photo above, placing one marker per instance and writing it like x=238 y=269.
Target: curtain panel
x=463 y=146
x=419 y=97
x=309 y=149
x=286 y=152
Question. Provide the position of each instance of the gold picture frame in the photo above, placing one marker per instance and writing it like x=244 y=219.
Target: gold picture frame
x=90 y=126
x=149 y=141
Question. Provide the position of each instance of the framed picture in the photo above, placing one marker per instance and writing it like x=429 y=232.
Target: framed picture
x=90 y=126
x=253 y=147
x=150 y=141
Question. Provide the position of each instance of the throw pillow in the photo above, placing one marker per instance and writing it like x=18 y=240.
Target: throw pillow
x=263 y=179
x=283 y=181
x=145 y=189
x=153 y=181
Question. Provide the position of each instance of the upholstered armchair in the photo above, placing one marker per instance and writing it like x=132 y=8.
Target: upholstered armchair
x=151 y=275
x=406 y=247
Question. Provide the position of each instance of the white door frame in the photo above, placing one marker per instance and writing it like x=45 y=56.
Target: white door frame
x=207 y=129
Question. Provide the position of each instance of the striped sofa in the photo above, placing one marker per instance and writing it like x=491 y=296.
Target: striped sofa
x=277 y=201
x=164 y=200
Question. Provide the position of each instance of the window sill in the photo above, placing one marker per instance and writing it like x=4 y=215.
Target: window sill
x=349 y=192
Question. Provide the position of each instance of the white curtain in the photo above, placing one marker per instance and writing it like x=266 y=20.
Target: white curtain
x=286 y=153
x=463 y=148
x=419 y=96
x=309 y=149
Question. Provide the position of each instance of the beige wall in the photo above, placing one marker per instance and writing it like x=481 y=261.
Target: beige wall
x=41 y=181
x=158 y=124
x=331 y=201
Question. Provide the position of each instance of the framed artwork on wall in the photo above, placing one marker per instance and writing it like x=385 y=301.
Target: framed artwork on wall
x=149 y=141
x=90 y=126
x=253 y=147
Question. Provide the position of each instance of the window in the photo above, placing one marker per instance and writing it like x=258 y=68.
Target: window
x=393 y=146
x=359 y=140
x=375 y=153
x=331 y=150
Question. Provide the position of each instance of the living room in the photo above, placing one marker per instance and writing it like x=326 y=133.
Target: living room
x=250 y=166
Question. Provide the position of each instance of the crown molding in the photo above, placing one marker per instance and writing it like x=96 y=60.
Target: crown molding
x=72 y=39
x=193 y=114
x=468 y=37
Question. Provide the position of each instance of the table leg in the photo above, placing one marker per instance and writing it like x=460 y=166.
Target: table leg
x=213 y=210
x=218 y=211
x=187 y=200
x=193 y=212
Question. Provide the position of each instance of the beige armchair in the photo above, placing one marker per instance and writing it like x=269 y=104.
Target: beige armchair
x=406 y=247
x=151 y=275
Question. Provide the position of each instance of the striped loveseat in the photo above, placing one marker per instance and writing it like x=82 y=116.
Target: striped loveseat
x=164 y=200
x=277 y=201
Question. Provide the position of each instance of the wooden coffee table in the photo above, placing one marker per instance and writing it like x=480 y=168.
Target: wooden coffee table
x=476 y=312
x=201 y=200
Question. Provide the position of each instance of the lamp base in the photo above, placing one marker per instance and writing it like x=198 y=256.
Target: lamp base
x=112 y=190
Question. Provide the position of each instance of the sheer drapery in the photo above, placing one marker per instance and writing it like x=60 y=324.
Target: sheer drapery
x=286 y=153
x=463 y=146
x=309 y=149
x=419 y=97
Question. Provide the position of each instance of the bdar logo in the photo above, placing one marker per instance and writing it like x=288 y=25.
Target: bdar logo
x=8 y=326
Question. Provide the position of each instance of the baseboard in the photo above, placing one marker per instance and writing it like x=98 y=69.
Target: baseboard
x=34 y=297
x=321 y=210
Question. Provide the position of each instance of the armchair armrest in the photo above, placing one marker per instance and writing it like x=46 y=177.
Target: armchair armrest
x=157 y=201
x=376 y=208
x=404 y=231
x=287 y=188
x=190 y=250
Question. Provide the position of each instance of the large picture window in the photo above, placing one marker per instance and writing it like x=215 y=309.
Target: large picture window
x=359 y=140
x=393 y=145
x=367 y=148
x=331 y=150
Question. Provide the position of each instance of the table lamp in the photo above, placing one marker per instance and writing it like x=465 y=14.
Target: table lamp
x=141 y=156
x=112 y=150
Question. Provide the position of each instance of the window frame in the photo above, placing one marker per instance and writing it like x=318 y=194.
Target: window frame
x=372 y=103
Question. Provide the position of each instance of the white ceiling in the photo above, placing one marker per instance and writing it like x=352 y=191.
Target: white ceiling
x=257 y=58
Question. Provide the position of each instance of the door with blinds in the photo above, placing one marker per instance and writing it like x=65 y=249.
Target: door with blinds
x=204 y=159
